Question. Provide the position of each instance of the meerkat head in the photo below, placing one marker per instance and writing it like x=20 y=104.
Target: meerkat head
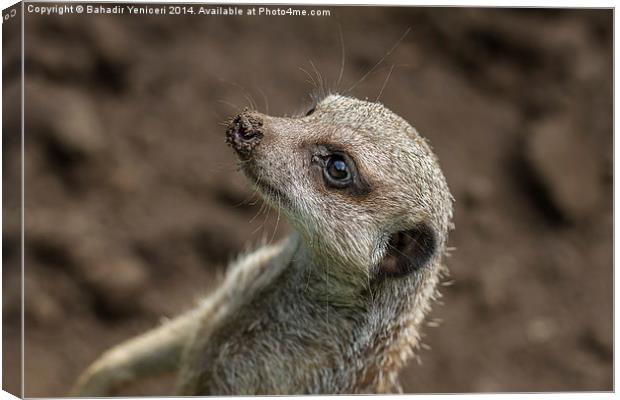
x=360 y=184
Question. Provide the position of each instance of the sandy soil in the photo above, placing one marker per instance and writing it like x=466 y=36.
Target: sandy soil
x=134 y=205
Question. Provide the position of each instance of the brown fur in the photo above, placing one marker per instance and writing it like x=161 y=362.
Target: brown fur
x=335 y=308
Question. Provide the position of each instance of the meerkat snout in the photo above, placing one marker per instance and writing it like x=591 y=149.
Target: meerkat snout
x=245 y=132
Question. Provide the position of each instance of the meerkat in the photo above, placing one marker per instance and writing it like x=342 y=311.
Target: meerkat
x=337 y=306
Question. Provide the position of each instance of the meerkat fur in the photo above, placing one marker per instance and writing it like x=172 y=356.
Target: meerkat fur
x=336 y=307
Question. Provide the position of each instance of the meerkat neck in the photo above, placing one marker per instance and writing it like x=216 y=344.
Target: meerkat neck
x=325 y=281
x=330 y=298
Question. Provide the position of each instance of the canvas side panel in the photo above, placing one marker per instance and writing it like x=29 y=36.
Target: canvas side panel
x=11 y=199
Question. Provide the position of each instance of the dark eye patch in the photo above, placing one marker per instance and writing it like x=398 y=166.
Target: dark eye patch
x=339 y=171
x=310 y=111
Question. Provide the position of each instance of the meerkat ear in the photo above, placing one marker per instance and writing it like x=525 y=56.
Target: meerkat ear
x=408 y=251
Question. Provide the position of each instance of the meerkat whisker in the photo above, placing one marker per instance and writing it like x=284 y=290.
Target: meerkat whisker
x=319 y=78
x=275 y=229
x=342 y=55
x=265 y=101
x=312 y=81
x=385 y=83
x=228 y=103
x=398 y=42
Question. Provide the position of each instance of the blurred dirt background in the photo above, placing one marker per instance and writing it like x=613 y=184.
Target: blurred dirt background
x=134 y=205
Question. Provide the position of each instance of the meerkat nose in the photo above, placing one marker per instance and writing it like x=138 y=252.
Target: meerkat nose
x=244 y=133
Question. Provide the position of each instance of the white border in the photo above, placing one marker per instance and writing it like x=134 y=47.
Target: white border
x=480 y=3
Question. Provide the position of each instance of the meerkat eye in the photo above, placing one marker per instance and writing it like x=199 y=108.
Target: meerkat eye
x=310 y=111
x=337 y=172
